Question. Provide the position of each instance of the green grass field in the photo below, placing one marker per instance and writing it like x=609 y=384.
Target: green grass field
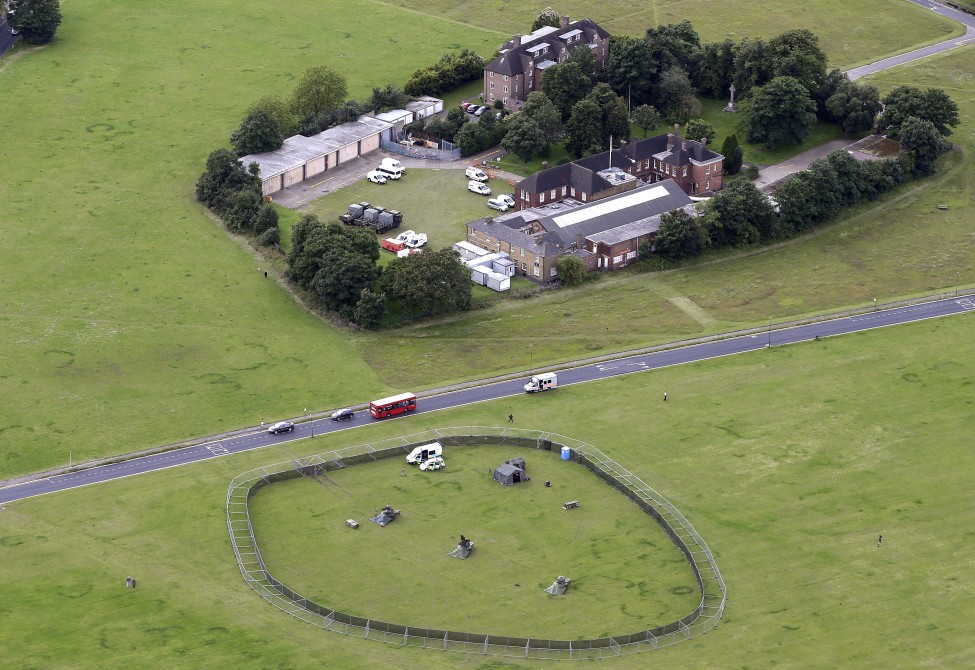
x=850 y=33
x=631 y=576
x=131 y=319
x=789 y=462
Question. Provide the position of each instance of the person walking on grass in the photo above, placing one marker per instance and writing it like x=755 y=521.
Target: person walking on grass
x=511 y=418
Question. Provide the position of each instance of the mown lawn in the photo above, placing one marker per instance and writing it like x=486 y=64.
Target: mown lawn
x=790 y=462
x=130 y=318
x=631 y=575
x=851 y=33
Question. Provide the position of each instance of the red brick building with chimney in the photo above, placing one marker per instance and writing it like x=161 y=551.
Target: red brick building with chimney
x=694 y=167
x=518 y=69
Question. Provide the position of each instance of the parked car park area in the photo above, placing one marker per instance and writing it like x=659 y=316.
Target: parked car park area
x=434 y=201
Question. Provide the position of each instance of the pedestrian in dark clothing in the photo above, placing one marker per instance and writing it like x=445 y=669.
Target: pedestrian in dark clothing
x=133 y=583
x=665 y=396
x=880 y=540
x=511 y=418
x=265 y=274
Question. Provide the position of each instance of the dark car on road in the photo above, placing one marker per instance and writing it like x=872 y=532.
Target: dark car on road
x=343 y=415
x=281 y=427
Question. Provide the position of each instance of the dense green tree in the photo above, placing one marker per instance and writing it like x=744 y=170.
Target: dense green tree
x=269 y=237
x=615 y=121
x=547 y=17
x=586 y=60
x=241 y=214
x=471 y=139
x=320 y=89
x=922 y=141
x=729 y=150
x=630 y=68
x=425 y=81
x=267 y=218
x=524 y=139
x=342 y=277
x=570 y=269
x=796 y=53
x=711 y=68
x=434 y=282
x=646 y=117
x=680 y=236
x=36 y=20
x=834 y=78
x=932 y=105
x=742 y=215
x=279 y=110
x=223 y=178
x=851 y=182
x=781 y=111
x=854 y=107
x=540 y=109
x=752 y=65
x=386 y=98
x=258 y=132
x=370 y=309
x=565 y=84
x=584 y=129
x=673 y=45
x=675 y=97
x=309 y=241
x=699 y=129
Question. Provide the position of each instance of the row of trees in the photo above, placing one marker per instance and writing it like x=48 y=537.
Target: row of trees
x=449 y=72
x=740 y=215
x=337 y=264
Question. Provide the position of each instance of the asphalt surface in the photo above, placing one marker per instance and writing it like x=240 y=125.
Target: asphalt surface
x=968 y=38
x=7 y=38
x=585 y=373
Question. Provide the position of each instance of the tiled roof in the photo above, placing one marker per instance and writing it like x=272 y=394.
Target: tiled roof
x=514 y=60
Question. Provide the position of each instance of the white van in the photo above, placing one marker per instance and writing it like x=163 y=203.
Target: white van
x=475 y=174
x=389 y=171
x=424 y=453
x=543 y=382
x=393 y=163
x=478 y=187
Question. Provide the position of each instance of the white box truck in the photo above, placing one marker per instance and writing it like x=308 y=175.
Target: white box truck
x=542 y=382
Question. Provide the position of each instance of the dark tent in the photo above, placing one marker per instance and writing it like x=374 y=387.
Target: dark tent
x=508 y=474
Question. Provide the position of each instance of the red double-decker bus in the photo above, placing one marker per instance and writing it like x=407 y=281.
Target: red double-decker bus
x=393 y=405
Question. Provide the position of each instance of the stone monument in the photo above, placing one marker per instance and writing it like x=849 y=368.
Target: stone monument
x=730 y=107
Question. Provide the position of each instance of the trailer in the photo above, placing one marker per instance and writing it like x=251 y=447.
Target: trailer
x=389 y=244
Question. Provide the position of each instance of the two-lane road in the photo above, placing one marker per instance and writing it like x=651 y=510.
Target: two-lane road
x=578 y=375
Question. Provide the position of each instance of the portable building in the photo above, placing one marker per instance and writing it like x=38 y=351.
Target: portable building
x=469 y=251
x=479 y=275
x=498 y=282
x=504 y=266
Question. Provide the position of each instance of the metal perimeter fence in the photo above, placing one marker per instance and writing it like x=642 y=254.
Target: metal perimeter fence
x=710 y=584
x=420 y=151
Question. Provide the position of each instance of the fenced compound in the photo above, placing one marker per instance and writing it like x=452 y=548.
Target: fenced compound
x=447 y=153
x=710 y=584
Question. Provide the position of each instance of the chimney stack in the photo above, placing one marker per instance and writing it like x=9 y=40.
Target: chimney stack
x=677 y=129
x=670 y=141
x=683 y=145
x=516 y=41
x=565 y=21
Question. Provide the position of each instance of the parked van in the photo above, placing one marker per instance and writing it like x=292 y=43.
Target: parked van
x=478 y=187
x=389 y=171
x=424 y=453
x=476 y=175
x=393 y=163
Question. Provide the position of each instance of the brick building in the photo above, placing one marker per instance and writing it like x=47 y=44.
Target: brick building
x=606 y=233
x=695 y=168
x=518 y=69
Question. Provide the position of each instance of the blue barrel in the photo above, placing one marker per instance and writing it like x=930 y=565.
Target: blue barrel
x=566 y=453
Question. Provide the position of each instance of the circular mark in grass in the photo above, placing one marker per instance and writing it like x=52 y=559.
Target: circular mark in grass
x=710 y=585
x=680 y=590
x=100 y=126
